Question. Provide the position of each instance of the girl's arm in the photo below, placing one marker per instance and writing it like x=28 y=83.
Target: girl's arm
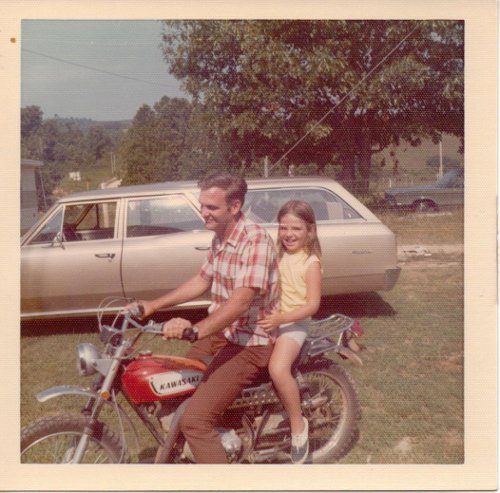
x=313 y=299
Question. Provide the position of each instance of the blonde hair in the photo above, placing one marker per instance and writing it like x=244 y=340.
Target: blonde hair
x=303 y=211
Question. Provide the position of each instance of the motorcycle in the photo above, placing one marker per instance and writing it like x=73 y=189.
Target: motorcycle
x=254 y=429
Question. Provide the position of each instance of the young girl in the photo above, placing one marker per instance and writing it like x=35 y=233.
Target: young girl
x=300 y=268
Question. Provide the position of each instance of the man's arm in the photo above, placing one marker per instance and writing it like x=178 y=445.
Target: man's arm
x=191 y=289
x=225 y=315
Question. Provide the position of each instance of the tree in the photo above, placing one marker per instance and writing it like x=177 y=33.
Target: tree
x=97 y=142
x=293 y=87
x=153 y=145
x=63 y=145
x=31 y=120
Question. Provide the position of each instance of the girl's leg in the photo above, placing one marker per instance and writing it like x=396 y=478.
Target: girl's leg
x=284 y=353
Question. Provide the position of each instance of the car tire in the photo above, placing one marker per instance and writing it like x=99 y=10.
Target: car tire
x=424 y=206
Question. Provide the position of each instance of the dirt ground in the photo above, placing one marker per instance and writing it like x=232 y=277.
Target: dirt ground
x=422 y=256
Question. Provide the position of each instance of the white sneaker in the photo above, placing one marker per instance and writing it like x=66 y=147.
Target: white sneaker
x=300 y=445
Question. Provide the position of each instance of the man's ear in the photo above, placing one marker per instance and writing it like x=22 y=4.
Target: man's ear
x=235 y=206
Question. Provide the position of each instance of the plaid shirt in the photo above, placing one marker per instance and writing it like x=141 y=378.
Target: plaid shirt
x=246 y=259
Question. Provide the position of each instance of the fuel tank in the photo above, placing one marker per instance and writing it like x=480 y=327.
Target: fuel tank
x=152 y=378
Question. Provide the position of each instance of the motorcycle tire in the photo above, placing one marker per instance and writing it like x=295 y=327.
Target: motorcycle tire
x=333 y=411
x=51 y=440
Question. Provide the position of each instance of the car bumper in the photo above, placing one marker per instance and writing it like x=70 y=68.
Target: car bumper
x=391 y=277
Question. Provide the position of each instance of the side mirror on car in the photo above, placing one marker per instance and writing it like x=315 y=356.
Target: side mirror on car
x=58 y=240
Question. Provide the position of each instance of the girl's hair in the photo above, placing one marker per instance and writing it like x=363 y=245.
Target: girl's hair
x=303 y=211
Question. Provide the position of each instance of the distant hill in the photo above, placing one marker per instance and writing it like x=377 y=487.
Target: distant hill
x=86 y=123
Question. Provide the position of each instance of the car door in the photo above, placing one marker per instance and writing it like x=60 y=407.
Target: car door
x=356 y=250
x=165 y=244
x=72 y=261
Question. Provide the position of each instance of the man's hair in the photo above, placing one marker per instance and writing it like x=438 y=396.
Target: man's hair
x=234 y=186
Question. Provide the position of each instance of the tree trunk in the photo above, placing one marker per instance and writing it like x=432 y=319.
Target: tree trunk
x=365 y=160
x=348 y=176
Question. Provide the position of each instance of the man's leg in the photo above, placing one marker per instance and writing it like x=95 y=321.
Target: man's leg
x=233 y=368
x=204 y=349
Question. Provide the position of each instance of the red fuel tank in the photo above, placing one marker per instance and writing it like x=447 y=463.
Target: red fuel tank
x=152 y=378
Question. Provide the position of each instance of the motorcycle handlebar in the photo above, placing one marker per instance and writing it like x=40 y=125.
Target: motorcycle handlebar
x=188 y=334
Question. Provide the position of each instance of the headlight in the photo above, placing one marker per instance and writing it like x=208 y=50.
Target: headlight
x=87 y=357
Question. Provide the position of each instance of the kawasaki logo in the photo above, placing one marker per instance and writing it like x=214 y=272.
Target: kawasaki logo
x=173 y=382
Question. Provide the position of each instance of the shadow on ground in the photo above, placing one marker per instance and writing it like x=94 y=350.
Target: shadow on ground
x=356 y=306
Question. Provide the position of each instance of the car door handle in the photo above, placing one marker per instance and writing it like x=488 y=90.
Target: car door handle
x=105 y=255
x=202 y=248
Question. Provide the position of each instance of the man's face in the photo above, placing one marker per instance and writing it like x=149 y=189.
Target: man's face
x=219 y=216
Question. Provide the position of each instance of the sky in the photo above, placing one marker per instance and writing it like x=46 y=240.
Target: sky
x=98 y=69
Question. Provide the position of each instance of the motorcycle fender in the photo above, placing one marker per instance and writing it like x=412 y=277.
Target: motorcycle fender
x=351 y=355
x=60 y=390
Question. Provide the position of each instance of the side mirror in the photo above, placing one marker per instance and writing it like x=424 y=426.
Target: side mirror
x=58 y=240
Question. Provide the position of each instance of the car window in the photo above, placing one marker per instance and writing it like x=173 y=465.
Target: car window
x=80 y=222
x=161 y=215
x=89 y=221
x=49 y=230
x=263 y=205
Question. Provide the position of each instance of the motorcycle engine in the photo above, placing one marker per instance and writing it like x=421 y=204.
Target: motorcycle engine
x=230 y=441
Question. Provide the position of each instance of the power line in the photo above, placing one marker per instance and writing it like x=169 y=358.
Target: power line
x=96 y=69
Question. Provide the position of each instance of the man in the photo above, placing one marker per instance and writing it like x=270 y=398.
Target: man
x=242 y=271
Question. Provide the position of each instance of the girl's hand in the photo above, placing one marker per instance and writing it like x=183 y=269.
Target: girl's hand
x=271 y=321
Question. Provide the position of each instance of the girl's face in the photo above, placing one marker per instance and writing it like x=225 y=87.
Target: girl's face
x=293 y=233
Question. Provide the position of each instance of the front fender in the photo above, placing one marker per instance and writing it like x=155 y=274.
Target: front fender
x=60 y=390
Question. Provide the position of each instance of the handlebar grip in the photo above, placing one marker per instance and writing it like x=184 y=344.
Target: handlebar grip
x=190 y=334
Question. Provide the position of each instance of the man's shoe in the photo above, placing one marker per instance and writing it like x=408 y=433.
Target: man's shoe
x=300 y=445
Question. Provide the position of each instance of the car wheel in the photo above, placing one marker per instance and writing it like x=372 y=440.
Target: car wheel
x=424 y=206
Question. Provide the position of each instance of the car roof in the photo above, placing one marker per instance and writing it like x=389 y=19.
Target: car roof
x=190 y=185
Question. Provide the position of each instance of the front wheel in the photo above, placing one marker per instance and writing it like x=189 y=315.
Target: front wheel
x=331 y=405
x=53 y=440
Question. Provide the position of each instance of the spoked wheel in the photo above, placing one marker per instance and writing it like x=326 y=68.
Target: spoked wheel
x=53 y=440
x=333 y=410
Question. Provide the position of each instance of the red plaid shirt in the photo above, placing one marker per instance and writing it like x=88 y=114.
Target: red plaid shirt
x=246 y=259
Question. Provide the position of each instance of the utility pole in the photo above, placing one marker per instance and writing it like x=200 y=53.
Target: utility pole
x=266 y=167
x=113 y=164
x=440 y=157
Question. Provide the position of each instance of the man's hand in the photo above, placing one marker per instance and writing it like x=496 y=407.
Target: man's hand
x=174 y=327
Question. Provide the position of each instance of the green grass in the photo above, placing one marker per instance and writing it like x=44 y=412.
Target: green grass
x=411 y=384
x=412 y=228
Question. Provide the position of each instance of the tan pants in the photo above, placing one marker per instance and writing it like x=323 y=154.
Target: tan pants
x=232 y=368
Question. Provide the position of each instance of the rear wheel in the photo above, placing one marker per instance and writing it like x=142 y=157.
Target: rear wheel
x=331 y=405
x=53 y=440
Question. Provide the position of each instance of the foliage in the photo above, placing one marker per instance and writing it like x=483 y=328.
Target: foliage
x=268 y=84
x=64 y=145
x=171 y=141
x=151 y=148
